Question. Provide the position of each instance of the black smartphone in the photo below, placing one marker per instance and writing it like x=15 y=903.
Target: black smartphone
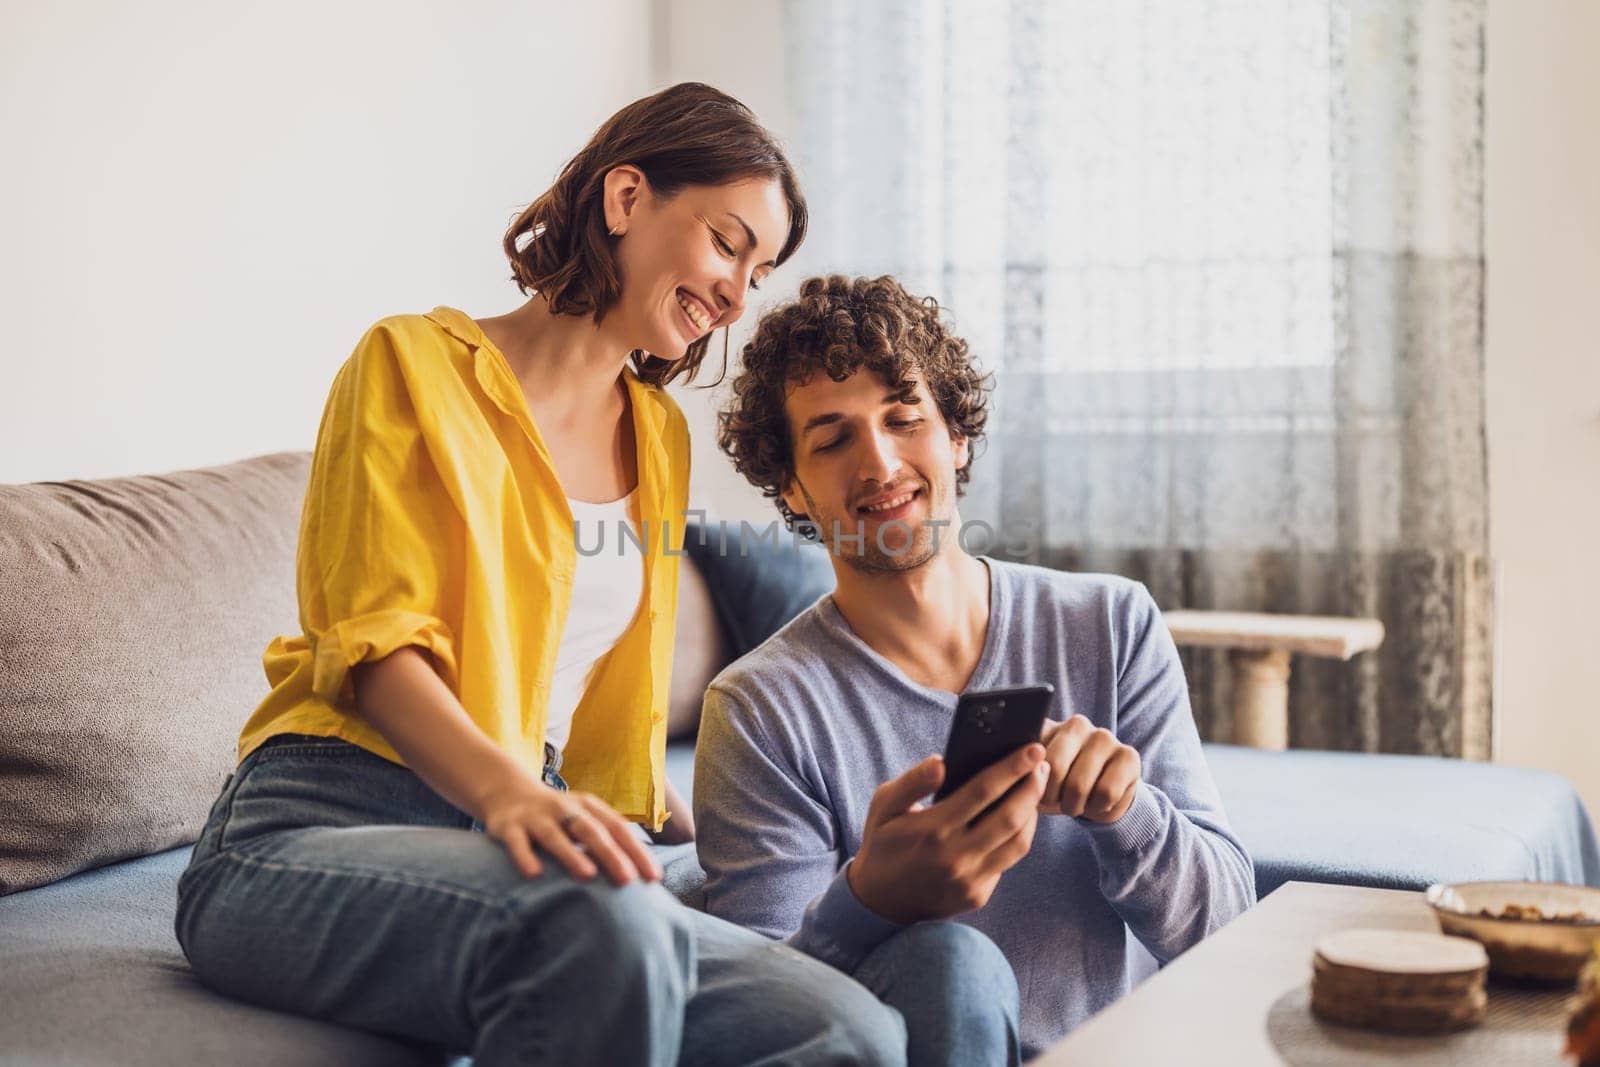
x=990 y=724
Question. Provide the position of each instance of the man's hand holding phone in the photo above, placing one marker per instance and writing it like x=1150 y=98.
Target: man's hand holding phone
x=1092 y=775
x=931 y=861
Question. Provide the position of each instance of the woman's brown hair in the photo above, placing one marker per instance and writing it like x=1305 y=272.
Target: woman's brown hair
x=689 y=134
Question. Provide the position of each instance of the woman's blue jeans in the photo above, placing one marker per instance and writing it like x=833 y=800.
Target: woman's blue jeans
x=332 y=883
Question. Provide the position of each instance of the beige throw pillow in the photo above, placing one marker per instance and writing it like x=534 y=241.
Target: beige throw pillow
x=133 y=615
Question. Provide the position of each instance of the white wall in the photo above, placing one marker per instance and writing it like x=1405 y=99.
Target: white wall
x=204 y=204
x=738 y=48
x=1543 y=338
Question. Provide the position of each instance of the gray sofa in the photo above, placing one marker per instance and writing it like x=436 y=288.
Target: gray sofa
x=133 y=614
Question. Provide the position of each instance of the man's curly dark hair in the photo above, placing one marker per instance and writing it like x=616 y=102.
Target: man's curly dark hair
x=837 y=326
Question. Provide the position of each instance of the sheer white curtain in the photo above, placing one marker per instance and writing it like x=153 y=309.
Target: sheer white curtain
x=1224 y=259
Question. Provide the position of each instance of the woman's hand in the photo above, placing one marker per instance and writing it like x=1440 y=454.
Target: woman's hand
x=404 y=697
x=580 y=830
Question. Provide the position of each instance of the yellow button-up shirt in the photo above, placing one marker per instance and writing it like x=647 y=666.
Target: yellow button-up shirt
x=434 y=517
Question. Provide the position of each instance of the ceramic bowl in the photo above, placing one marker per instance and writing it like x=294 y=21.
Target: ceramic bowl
x=1547 y=949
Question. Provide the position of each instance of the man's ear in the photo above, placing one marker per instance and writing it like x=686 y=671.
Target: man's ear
x=794 y=497
x=625 y=188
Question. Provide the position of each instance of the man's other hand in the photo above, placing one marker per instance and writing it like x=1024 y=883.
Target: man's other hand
x=1092 y=775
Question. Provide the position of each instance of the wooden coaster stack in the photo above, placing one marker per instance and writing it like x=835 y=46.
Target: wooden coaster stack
x=1399 y=982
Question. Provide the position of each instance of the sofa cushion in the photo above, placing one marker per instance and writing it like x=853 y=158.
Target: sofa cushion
x=93 y=976
x=133 y=615
x=699 y=651
x=1401 y=822
x=757 y=584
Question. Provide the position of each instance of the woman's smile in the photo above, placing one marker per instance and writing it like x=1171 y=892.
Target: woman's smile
x=695 y=310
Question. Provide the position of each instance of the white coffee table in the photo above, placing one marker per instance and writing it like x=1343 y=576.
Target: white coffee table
x=1210 y=1006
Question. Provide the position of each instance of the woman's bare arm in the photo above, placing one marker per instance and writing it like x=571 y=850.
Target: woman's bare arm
x=407 y=702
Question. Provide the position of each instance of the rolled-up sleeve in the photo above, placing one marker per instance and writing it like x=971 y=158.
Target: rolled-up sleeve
x=376 y=541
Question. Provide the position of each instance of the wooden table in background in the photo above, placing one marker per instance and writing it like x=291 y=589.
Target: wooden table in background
x=1259 y=646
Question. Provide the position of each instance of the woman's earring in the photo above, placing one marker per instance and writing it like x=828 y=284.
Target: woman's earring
x=616 y=231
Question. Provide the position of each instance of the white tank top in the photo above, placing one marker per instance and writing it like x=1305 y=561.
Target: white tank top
x=606 y=590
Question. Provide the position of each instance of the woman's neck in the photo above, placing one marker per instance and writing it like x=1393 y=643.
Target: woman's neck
x=566 y=364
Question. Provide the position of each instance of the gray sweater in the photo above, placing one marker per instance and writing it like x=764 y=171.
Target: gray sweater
x=798 y=734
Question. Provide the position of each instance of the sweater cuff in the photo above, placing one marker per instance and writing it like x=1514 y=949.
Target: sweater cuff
x=840 y=930
x=1139 y=826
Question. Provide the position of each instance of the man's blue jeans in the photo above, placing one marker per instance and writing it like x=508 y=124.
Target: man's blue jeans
x=330 y=882
x=955 y=990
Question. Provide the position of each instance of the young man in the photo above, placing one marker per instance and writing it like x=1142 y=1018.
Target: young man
x=859 y=413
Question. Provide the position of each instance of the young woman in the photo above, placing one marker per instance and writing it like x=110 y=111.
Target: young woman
x=461 y=662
